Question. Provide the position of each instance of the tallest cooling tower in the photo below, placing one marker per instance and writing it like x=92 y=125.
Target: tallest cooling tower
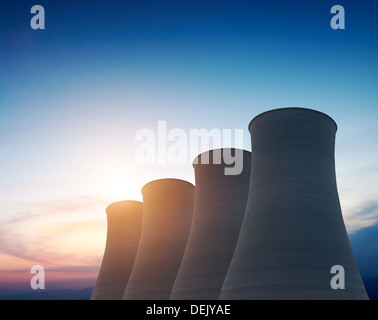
x=293 y=233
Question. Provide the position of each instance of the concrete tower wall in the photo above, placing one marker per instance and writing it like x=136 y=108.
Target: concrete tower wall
x=219 y=206
x=293 y=230
x=167 y=216
x=124 y=219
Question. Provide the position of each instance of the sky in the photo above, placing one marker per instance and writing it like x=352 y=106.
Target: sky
x=74 y=95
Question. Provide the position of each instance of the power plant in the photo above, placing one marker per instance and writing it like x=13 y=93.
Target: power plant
x=124 y=220
x=219 y=206
x=167 y=217
x=272 y=231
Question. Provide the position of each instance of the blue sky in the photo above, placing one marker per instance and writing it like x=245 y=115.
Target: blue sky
x=73 y=96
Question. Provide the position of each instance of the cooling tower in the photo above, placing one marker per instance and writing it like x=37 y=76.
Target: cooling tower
x=219 y=206
x=124 y=220
x=167 y=216
x=293 y=231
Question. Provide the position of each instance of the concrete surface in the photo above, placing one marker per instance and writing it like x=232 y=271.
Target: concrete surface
x=219 y=206
x=124 y=220
x=167 y=217
x=293 y=230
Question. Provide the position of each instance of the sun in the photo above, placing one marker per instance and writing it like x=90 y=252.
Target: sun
x=119 y=187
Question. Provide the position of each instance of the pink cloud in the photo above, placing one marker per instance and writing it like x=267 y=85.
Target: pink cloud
x=66 y=237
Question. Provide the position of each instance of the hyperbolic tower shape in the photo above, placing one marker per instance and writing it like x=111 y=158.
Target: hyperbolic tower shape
x=219 y=205
x=167 y=216
x=293 y=230
x=124 y=219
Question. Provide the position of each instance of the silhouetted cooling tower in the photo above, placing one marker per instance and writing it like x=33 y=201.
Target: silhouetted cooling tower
x=167 y=216
x=293 y=231
x=124 y=227
x=219 y=206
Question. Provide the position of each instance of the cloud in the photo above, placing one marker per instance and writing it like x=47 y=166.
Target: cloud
x=63 y=232
x=21 y=211
x=363 y=216
x=67 y=237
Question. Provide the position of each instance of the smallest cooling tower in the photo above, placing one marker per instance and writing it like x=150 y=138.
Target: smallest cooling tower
x=219 y=205
x=124 y=226
x=167 y=216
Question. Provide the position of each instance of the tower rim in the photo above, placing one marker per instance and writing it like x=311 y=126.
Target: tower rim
x=291 y=108
x=164 y=180
x=120 y=203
